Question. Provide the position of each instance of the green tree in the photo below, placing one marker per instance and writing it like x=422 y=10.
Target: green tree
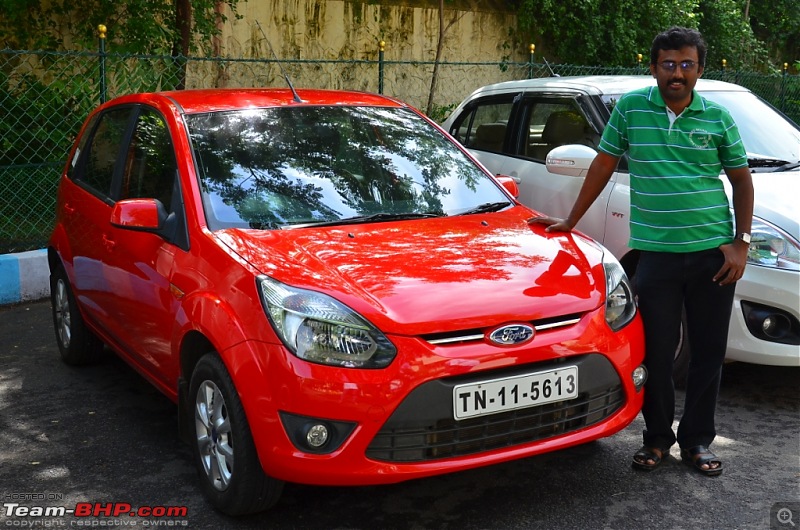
x=750 y=34
x=728 y=35
x=162 y=27
x=601 y=32
x=776 y=23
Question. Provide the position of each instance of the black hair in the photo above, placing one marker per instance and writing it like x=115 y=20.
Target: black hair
x=676 y=38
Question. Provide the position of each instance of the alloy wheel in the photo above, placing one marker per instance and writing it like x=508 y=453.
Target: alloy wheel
x=214 y=437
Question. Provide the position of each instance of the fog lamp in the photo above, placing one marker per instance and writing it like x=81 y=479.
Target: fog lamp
x=639 y=377
x=317 y=435
x=775 y=326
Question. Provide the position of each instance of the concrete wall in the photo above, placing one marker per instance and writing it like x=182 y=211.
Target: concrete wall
x=344 y=29
x=314 y=30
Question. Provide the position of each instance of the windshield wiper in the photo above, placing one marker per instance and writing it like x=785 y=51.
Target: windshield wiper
x=487 y=207
x=766 y=162
x=787 y=166
x=373 y=218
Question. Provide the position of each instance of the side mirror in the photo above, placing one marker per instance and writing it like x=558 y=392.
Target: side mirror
x=146 y=215
x=572 y=160
x=509 y=184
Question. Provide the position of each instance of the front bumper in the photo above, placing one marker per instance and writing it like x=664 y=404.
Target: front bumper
x=423 y=429
x=772 y=289
x=403 y=414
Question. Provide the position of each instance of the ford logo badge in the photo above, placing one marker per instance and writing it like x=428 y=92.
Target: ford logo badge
x=512 y=334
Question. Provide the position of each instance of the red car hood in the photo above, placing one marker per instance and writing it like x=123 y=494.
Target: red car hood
x=435 y=275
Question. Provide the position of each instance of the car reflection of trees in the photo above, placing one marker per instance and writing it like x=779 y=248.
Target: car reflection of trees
x=281 y=166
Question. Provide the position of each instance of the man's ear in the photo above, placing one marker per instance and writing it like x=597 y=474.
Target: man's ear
x=653 y=70
x=700 y=70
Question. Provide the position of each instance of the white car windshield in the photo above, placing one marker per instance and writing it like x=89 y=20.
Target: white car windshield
x=770 y=139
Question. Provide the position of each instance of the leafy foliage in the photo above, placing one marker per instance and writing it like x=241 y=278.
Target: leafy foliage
x=134 y=26
x=613 y=32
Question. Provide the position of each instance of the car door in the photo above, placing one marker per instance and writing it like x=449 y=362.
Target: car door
x=547 y=121
x=86 y=204
x=139 y=264
x=540 y=122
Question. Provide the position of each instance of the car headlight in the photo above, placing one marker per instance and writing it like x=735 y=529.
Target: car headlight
x=772 y=247
x=620 y=305
x=319 y=329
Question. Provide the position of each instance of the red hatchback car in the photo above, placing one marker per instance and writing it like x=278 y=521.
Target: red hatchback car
x=333 y=292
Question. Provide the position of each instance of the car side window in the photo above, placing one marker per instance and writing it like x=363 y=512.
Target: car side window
x=484 y=126
x=104 y=150
x=150 y=166
x=553 y=123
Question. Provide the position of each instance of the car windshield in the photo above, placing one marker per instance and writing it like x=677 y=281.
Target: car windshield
x=297 y=166
x=766 y=134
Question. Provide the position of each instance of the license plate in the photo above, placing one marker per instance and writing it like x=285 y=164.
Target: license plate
x=510 y=393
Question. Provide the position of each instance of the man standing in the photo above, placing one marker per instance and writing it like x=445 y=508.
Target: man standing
x=690 y=255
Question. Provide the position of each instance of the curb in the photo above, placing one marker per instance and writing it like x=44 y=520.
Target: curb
x=24 y=277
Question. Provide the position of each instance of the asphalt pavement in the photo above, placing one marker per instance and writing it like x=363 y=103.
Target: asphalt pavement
x=100 y=439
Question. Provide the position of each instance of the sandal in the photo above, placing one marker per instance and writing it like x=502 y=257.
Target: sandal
x=641 y=457
x=700 y=455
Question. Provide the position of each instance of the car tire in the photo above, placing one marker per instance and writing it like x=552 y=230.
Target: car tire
x=77 y=344
x=234 y=485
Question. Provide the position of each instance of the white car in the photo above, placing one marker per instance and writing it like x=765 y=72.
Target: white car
x=544 y=133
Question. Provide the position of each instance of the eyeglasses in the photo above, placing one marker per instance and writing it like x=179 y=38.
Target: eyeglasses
x=670 y=66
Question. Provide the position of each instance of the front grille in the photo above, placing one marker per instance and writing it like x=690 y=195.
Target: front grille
x=407 y=439
x=471 y=335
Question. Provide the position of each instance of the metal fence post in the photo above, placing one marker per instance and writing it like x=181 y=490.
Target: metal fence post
x=783 y=86
x=531 y=61
x=381 y=46
x=102 y=34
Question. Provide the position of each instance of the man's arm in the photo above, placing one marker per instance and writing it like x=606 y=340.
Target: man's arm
x=597 y=177
x=736 y=252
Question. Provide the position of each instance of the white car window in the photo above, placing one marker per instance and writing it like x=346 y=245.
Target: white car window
x=484 y=127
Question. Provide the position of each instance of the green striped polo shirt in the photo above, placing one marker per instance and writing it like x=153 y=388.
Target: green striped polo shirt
x=678 y=203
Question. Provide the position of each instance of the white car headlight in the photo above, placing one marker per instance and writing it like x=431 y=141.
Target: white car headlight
x=620 y=305
x=319 y=329
x=772 y=247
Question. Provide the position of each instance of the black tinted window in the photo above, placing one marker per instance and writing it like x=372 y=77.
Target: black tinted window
x=150 y=168
x=104 y=150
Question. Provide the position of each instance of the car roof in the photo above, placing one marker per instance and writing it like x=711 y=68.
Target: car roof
x=597 y=84
x=221 y=99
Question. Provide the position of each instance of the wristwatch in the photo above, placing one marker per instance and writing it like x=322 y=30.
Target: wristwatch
x=744 y=236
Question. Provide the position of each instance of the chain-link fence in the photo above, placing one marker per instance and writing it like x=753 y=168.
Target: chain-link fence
x=46 y=96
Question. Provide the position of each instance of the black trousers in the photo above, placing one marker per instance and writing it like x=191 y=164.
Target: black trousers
x=665 y=284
